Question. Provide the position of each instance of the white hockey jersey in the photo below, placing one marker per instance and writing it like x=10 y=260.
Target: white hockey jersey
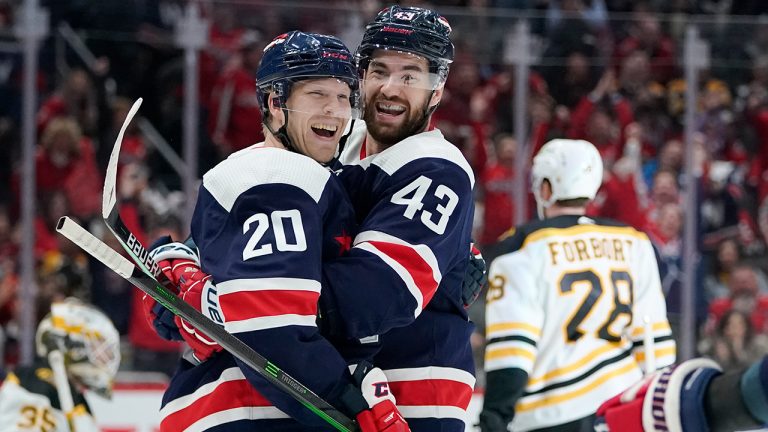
x=29 y=403
x=567 y=305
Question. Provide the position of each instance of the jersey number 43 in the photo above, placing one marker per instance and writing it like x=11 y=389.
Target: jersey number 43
x=412 y=197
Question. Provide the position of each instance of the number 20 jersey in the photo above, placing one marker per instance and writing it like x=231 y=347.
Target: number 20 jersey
x=567 y=306
x=265 y=221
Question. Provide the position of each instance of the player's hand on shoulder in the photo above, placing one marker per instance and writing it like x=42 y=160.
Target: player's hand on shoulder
x=381 y=414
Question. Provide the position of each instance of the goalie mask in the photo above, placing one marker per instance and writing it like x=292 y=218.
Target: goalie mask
x=88 y=341
x=573 y=168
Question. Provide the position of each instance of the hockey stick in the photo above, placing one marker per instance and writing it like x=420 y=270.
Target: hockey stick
x=145 y=282
x=61 y=381
x=110 y=211
x=140 y=256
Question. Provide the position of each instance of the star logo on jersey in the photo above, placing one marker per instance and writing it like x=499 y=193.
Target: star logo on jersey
x=345 y=242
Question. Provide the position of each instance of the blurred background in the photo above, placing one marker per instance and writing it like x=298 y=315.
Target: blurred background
x=674 y=93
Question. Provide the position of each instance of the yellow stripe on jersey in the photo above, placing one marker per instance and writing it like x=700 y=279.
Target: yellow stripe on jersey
x=505 y=326
x=576 y=365
x=496 y=353
x=656 y=327
x=11 y=377
x=658 y=352
x=582 y=229
x=556 y=399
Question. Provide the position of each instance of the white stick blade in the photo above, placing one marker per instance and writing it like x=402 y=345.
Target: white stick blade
x=95 y=247
x=109 y=194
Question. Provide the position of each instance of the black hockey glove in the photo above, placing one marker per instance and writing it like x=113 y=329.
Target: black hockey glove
x=475 y=277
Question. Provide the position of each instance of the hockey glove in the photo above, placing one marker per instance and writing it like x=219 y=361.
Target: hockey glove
x=671 y=399
x=158 y=316
x=474 y=278
x=382 y=415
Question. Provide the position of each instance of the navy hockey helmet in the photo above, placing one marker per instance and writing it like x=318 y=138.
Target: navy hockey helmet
x=296 y=56
x=409 y=29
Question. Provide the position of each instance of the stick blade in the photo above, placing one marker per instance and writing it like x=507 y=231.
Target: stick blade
x=95 y=247
x=109 y=194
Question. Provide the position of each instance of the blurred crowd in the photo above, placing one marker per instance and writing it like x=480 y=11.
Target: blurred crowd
x=608 y=71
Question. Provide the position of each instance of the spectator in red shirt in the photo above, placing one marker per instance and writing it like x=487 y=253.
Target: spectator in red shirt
x=497 y=187
x=745 y=297
x=75 y=98
x=66 y=161
x=645 y=34
x=235 y=119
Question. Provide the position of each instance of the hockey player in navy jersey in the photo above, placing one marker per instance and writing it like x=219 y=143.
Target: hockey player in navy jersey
x=401 y=282
x=265 y=220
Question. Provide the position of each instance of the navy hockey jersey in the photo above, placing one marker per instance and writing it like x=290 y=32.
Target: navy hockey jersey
x=402 y=278
x=264 y=222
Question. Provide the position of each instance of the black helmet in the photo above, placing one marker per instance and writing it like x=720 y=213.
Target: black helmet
x=410 y=29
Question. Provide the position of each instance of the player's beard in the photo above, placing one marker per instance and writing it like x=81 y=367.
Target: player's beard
x=414 y=122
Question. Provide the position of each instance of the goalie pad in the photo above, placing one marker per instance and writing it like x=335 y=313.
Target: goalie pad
x=669 y=400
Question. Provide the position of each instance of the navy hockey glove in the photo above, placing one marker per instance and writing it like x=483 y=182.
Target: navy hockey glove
x=382 y=415
x=474 y=278
x=158 y=316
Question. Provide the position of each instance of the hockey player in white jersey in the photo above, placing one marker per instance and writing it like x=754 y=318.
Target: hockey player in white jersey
x=78 y=349
x=567 y=303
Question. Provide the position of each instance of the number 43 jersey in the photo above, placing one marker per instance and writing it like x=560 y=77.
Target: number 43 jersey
x=567 y=305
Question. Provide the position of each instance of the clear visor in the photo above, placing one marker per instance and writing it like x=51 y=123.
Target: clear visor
x=401 y=69
x=331 y=98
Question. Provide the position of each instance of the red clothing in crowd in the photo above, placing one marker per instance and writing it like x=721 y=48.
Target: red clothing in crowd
x=498 y=182
x=235 y=118
x=618 y=199
x=140 y=332
x=610 y=151
x=759 y=315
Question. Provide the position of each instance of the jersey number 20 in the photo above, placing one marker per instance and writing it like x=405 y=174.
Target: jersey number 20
x=572 y=329
x=276 y=221
x=418 y=190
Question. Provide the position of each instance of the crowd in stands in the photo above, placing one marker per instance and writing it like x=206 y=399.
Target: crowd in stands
x=608 y=71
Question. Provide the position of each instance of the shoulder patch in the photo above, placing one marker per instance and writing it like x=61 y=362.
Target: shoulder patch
x=266 y=165
x=429 y=144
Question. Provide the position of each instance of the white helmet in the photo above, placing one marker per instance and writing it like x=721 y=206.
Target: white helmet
x=573 y=168
x=88 y=340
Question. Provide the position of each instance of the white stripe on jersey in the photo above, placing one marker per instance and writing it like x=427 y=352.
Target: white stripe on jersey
x=430 y=373
x=264 y=165
x=423 y=250
x=230 y=415
x=270 y=284
x=430 y=144
x=230 y=374
x=269 y=322
x=421 y=411
x=401 y=271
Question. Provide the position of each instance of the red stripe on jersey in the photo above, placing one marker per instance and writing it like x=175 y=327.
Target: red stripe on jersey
x=419 y=269
x=434 y=392
x=244 y=305
x=231 y=394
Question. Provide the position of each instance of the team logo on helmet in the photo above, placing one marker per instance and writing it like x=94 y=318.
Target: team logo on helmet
x=278 y=40
x=444 y=22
